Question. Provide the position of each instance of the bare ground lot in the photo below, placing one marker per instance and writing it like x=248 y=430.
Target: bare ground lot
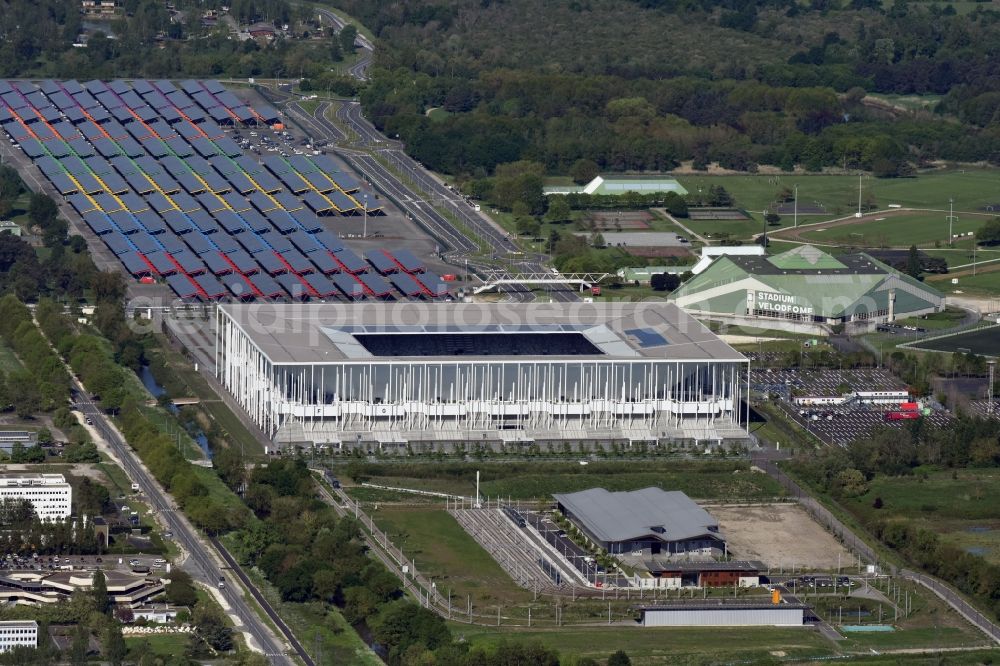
x=779 y=535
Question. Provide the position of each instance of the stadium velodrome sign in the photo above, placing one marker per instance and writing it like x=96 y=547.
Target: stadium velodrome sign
x=777 y=302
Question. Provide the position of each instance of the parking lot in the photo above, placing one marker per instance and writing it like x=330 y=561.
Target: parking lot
x=841 y=426
x=825 y=382
x=108 y=561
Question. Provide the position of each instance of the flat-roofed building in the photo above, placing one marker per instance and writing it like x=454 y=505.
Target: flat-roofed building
x=724 y=614
x=514 y=373
x=18 y=633
x=50 y=495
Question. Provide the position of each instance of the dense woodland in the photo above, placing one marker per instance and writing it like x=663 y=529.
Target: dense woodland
x=646 y=84
x=37 y=40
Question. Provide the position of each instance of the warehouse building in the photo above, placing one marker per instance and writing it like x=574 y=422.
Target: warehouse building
x=395 y=373
x=642 y=522
x=50 y=496
x=724 y=614
x=18 y=633
x=805 y=290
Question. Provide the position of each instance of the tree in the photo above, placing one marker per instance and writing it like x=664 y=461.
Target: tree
x=211 y=627
x=42 y=210
x=913 y=267
x=772 y=218
x=102 y=602
x=553 y=240
x=80 y=645
x=989 y=233
x=619 y=658
x=559 y=210
x=346 y=38
x=400 y=624
x=115 y=649
x=180 y=590
x=584 y=171
x=526 y=225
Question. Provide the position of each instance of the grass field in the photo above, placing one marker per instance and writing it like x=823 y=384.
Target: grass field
x=922 y=229
x=448 y=555
x=984 y=341
x=160 y=645
x=961 y=508
x=986 y=282
x=937 y=320
x=666 y=645
x=961 y=256
x=539 y=480
x=971 y=189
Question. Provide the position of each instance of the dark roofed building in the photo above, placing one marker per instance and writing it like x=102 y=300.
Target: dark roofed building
x=648 y=521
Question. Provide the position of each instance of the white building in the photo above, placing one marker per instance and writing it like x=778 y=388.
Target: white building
x=49 y=494
x=15 y=633
x=724 y=614
x=479 y=373
x=710 y=253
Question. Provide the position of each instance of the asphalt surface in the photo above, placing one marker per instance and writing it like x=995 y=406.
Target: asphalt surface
x=424 y=201
x=360 y=69
x=200 y=563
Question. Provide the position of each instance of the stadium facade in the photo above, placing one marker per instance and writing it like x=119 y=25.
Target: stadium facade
x=397 y=373
x=805 y=290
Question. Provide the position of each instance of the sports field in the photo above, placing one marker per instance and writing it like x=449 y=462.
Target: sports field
x=983 y=341
x=972 y=190
x=920 y=228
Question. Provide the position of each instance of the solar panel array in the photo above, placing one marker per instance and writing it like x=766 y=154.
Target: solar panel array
x=150 y=170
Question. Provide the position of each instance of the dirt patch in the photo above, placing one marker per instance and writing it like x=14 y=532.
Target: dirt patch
x=779 y=535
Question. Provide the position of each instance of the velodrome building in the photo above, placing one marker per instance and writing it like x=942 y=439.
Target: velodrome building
x=439 y=373
x=805 y=290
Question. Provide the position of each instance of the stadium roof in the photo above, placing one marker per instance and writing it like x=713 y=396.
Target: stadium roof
x=336 y=332
x=650 y=512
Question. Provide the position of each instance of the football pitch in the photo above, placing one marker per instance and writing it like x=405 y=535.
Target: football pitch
x=983 y=341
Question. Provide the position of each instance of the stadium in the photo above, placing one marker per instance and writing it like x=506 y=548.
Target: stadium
x=392 y=374
x=805 y=290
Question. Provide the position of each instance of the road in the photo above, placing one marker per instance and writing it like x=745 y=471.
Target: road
x=360 y=69
x=953 y=599
x=200 y=563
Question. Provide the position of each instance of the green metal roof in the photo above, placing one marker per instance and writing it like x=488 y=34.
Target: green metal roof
x=832 y=286
x=805 y=256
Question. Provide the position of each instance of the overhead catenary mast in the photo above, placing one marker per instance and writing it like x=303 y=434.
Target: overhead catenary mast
x=858 y=214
